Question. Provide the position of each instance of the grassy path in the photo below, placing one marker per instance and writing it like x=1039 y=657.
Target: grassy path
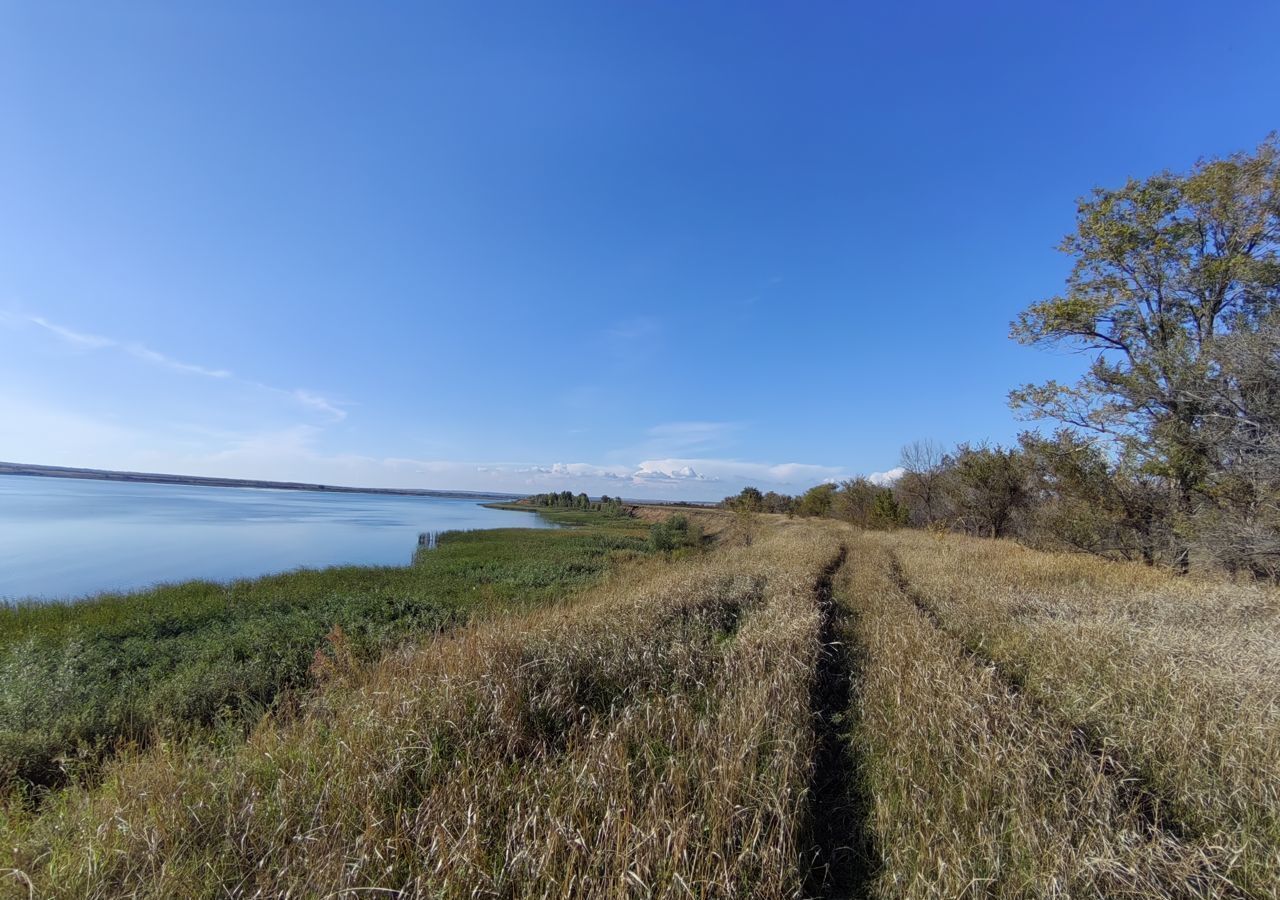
x=650 y=738
x=840 y=858
x=801 y=710
x=1173 y=681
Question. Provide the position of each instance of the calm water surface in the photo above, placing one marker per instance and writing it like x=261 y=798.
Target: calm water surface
x=64 y=537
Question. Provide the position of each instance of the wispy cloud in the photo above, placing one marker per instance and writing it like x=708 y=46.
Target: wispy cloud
x=134 y=349
x=692 y=434
x=319 y=404
x=146 y=354
x=72 y=337
x=689 y=438
x=87 y=341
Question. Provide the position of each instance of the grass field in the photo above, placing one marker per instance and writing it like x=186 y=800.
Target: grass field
x=77 y=679
x=801 y=710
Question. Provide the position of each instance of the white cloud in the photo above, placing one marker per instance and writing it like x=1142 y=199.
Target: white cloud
x=36 y=433
x=675 y=460
x=148 y=355
x=884 y=479
x=653 y=472
x=740 y=472
x=320 y=404
x=72 y=337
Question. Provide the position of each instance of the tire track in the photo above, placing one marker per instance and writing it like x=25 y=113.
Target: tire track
x=1132 y=788
x=838 y=847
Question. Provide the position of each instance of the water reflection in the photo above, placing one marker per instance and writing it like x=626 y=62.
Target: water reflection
x=65 y=538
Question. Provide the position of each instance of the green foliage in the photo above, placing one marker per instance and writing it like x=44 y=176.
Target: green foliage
x=817 y=501
x=612 y=506
x=1163 y=268
x=988 y=487
x=750 y=500
x=886 y=512
x=860 y=502
x=77 y=679
x=673 y=534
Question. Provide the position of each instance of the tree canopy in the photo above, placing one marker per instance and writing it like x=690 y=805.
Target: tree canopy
x=1163 y=267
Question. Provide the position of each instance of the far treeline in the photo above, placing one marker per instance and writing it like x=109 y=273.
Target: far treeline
x=1167 y=449
x=612 y=506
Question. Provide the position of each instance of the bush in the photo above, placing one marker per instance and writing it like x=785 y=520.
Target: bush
x=673 y=534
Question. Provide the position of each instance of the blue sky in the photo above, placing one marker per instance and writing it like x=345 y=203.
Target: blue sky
x=656 y=249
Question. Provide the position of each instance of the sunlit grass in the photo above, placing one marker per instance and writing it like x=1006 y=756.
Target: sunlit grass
x=651 y=738
x=976 y=789
x=79 y=678
x=600 y=721
x=1177 y=679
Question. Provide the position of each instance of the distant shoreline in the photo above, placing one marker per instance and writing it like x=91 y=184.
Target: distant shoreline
x=7 y=468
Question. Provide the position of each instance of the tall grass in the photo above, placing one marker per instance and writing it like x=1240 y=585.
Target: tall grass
x=973 y=790
x=1015 y=724
x=650 y=739
x=1178 y=678
x=77 y=679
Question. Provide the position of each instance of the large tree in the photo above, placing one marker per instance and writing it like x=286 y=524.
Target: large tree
x=1163 y=268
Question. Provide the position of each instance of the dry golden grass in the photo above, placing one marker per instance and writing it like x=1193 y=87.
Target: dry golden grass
x=651 y=739
x=712 y=521
x=1178 y=679
x=1018 y=724
x=973 y=790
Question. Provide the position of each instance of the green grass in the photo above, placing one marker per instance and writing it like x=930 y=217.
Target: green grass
x=575 y=517
x=77 y=679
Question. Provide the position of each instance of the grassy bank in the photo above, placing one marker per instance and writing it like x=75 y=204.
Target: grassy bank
x=650 y=738
x=77 y=679
x=788 y=709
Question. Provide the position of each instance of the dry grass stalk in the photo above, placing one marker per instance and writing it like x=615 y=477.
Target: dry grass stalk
x=651 y=739
x=974 y=791
x=1177 y=677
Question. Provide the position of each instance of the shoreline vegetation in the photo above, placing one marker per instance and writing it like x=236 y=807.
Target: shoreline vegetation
x=80 y=680
x=680 y=703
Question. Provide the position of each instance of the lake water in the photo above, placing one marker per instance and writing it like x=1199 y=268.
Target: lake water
x=62 y=537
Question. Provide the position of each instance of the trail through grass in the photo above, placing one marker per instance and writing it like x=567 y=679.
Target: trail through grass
x=793 y=709
x=651 y=739
x=1177 y=679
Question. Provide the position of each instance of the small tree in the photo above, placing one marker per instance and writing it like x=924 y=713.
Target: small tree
x=920 y=488
x=817 y=501
x=1084 y=500
x=886 y=512
x=773 y=502
x=989 y=488
x=855 y=501
x=674 y=533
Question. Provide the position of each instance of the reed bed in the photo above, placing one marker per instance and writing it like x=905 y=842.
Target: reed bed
x=650 y=739
x=1178 y=678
